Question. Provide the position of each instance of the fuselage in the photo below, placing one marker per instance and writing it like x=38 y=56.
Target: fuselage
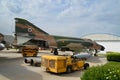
x=26 y=32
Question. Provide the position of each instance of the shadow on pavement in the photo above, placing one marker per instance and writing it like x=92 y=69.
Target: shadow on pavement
x=11 y=69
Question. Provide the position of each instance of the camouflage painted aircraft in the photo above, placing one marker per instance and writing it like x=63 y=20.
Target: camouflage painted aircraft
x=28 y=33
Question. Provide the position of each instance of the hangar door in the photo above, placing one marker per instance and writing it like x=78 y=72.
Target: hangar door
x=111 y=45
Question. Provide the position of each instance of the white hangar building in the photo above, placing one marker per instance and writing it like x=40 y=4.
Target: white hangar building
x=110 y=42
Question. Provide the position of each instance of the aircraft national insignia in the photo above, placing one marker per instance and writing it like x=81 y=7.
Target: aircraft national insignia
x=29 y=29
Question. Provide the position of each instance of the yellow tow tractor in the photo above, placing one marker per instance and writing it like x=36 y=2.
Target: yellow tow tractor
x=30 y=51
x=62 y=63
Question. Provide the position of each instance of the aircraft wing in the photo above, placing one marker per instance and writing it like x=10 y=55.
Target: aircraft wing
x=70 y=43
x=75 y=46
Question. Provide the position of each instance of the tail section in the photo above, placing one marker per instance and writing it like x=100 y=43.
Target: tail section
x=25 y=28
x=25 y=31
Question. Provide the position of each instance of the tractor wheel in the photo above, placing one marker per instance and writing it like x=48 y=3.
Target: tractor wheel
x=69 y=69
x=86 y=66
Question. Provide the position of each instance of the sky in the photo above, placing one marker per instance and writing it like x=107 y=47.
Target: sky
x=63 y=17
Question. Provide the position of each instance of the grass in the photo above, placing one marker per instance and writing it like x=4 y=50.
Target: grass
x=109 y=71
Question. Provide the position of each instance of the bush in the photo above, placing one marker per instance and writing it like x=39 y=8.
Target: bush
x=113 y=56
x=109 y=71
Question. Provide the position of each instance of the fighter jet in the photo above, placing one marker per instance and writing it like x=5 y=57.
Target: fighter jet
x=28 y=33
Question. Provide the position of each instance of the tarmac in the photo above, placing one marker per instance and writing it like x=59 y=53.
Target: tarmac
x=12 y=67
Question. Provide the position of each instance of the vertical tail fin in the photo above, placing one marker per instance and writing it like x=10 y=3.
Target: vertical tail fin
x=25 y=31
x=25 y=28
